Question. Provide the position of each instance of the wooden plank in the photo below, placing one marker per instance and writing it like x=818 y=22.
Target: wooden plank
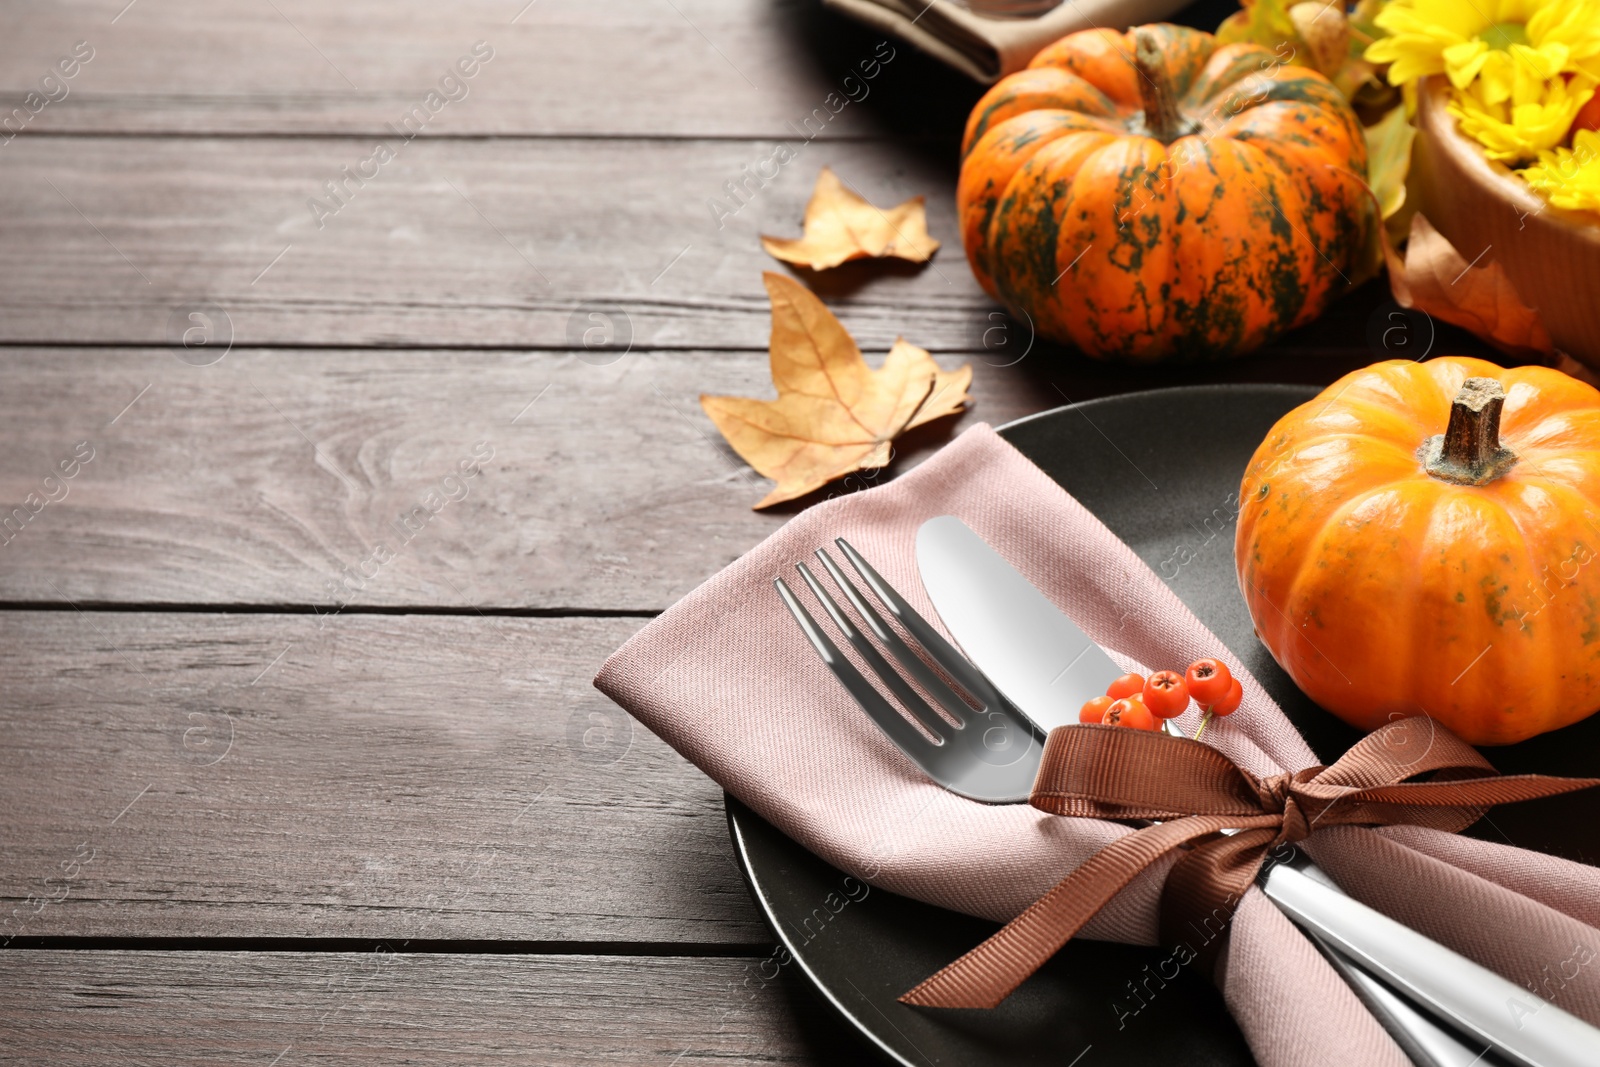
x=291 y=1009
x=376 y=777
x=449 y=243
x=641 y=68
x=279 y=477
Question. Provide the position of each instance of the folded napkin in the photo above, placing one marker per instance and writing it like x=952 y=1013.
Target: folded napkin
x=980 y=42
x=726 y=678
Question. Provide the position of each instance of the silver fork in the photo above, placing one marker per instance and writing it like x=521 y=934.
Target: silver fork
x=989 y=753
x=987 y=750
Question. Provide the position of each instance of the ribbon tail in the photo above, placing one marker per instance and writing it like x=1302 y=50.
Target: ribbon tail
x=1472 y=792
x=992 y=971
x=1204 y=889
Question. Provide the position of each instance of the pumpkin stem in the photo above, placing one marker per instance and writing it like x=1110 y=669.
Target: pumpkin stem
x=1469 y=451
x=1162 y=119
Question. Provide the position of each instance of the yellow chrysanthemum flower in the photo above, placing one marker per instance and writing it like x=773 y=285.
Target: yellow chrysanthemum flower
x=1518 y=129
x=1569 y=177
x=1506 y=47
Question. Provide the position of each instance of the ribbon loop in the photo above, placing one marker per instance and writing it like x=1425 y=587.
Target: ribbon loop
x=1109 y=772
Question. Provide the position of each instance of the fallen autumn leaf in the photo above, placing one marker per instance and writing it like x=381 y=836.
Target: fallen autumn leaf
x=1436 y=279
x=833 y=414
x=841 y=226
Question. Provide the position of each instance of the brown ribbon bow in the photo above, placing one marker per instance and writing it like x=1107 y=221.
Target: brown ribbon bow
x=1109 y=772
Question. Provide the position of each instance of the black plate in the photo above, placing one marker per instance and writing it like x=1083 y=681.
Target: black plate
x=1162 y=470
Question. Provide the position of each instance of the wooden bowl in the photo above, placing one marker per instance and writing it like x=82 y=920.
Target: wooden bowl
x=1551 y=256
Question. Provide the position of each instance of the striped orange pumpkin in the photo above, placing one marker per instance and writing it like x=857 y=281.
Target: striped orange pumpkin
x=1150 y=195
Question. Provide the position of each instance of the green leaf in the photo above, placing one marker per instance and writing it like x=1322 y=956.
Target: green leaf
x=1364 y=28
x=1389 y=160
x=1265 y=22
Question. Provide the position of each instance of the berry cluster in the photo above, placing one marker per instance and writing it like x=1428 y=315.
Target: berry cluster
x=1142 y=703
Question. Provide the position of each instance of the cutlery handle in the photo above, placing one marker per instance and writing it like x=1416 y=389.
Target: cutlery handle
x=1425 y=1042
x=1472 y=999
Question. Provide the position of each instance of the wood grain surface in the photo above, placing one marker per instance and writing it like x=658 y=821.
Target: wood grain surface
x=636 y=68
x=272 y=1008
x=358 y=776
x=295 y=477
x=466 y=243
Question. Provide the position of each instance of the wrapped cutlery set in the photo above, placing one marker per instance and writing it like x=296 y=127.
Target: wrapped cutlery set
x=1335 y=905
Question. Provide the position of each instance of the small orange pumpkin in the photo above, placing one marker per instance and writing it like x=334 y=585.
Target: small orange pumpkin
x=1150 y=195
x=1426 y=538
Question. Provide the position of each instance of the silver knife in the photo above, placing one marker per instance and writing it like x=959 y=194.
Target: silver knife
x=1034 y=654
x=1047 y=666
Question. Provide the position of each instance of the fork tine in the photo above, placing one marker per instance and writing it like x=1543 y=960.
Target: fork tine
x=905 y=736
x=951 y=701
x=993 y=758
x=892 y=678
x=949 y=659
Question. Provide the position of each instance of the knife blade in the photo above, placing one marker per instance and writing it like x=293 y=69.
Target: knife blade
x=1040 y=659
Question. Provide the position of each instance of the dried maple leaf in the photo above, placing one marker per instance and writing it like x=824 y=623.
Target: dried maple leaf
x=1436 y=279
x=834 y=414
x=840 y=226
x=949 y=393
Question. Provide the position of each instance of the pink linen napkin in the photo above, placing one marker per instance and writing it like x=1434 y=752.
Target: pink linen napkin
x=726 y=678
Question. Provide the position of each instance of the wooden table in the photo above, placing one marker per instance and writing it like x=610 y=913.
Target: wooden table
x=299 y=756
